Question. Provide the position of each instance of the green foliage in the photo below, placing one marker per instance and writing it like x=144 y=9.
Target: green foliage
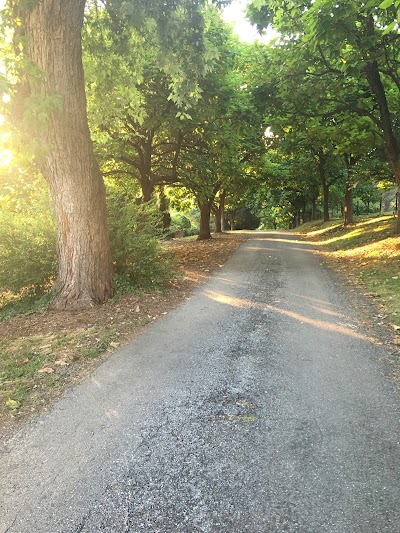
x=27 y=236
x=331 y=86
x=246 y=219
x=276 y=217
x=369 y=195
x=183 y=225
x=275 y=208
x=138 y=257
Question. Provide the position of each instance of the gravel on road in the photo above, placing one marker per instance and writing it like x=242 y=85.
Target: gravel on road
x=262 y=404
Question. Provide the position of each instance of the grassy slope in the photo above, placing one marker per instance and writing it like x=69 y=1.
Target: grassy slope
x=369 y=253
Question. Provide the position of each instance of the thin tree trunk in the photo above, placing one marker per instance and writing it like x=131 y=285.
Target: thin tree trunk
x=68 y=164
x=348 y=204
x=304 y=213
x=314 y=209
x=217 y=215
x=397 y=171
x=325 y=191
x=232 y=221
x=222 y=210
x=322 y=159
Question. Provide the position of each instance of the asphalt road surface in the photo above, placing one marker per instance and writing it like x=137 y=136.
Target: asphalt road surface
x=260 y=405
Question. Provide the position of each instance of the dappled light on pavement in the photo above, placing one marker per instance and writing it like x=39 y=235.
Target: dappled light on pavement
x=299 y=317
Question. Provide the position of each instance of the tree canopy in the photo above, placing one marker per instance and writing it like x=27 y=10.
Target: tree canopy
x=120 y=104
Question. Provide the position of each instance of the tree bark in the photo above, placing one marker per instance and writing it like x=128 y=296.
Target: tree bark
x=232 y=221
x=68 y=164
x=398 y=204
x=147 y=190
x=350 y=161
x=218 y=226
x=314 y=209
x=222 y=210
x=392 y=143
x=322 y=159
x=205 y=213
x=348 y=204
x=325 y=192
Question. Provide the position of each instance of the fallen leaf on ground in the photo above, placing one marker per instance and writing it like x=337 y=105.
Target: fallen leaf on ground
x=46 y=370
x=114 y=344
x=12 y=404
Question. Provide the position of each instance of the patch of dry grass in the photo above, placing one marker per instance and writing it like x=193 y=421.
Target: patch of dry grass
x=368 y=252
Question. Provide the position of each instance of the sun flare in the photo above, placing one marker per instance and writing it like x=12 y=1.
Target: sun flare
x=5 y=157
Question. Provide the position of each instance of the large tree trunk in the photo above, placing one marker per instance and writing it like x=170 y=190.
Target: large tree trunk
x=147 y=189
x=205 y=213
x=68 y=164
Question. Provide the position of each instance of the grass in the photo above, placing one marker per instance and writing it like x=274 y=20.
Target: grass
x=31 y=365
x=369 y=251
x=24 y=303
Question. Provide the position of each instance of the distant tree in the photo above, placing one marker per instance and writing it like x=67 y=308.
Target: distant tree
x=350 y=50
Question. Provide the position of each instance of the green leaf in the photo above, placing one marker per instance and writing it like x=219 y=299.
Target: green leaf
x=390 y=27
x=385 y=4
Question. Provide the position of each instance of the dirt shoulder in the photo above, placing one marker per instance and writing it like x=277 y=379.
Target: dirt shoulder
x=365 y=258
x=43 y=354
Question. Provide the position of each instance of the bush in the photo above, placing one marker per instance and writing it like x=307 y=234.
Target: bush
x=138 y=257
x=28 y=255
x=181 y=225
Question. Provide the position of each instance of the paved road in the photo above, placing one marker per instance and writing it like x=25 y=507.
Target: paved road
x=260 y=405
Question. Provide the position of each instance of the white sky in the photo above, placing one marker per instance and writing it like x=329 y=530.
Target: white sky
x=234 y=13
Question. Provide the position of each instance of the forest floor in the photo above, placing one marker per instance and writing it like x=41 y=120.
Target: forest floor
x=44 y=353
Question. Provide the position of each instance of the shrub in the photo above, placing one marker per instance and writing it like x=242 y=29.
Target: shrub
x=138 y=257
x=28 y=255
x=182 y=225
